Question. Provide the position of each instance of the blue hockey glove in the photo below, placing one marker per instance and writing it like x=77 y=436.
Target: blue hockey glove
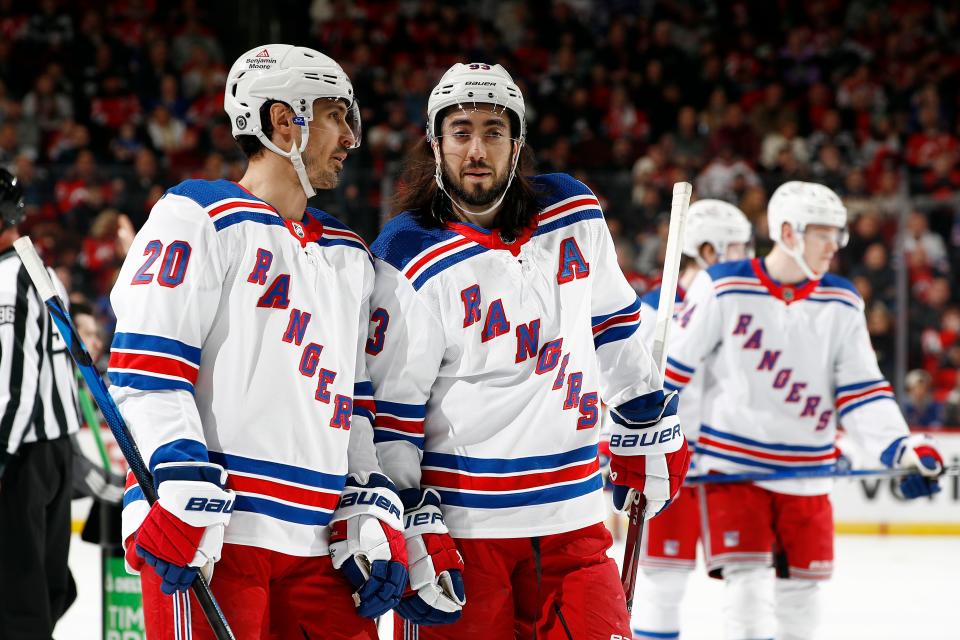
x=436 y=594
x=367 y=545
x=918 y=452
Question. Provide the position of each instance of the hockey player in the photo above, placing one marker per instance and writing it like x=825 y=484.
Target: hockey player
x=715 y=232
x=238 y=364
x=786 y=346
x=500 y=320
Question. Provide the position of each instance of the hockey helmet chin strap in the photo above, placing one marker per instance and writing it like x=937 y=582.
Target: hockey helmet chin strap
x=294 y=155
x=797 y=254
x=438 y=173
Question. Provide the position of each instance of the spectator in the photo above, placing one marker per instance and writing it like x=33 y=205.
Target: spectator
x=831 y=131
x=918 y=234
x=726 y=177
x=875 y=269
x=919 y=407
x=46 y=106
x=166 y=132
x=735 y=135
x=785 y=136
x=689 y=144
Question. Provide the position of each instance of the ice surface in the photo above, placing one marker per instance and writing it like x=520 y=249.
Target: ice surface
x=884 y=588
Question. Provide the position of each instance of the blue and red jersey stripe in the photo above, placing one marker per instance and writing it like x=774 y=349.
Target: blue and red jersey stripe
x=151 y=363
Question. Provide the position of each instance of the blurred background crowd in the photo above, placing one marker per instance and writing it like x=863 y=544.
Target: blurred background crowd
x=105 y=105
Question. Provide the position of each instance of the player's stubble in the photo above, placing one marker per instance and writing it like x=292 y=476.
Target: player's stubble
x=322 y=177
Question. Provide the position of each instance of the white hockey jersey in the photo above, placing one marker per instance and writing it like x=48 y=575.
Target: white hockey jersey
x=788 y=362
x=689 y=409
x=489 y=361
x=240 y=341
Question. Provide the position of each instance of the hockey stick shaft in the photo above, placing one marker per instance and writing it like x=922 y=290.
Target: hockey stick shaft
x=726 y=478
x=661 y=332
x=111 y=413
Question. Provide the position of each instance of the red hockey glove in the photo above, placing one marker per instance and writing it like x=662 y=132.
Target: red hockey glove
x=183 y=530
x=648 y=451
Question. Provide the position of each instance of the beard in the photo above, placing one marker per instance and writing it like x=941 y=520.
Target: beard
x=476 y=196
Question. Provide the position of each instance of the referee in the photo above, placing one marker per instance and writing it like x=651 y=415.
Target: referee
x=38 y=412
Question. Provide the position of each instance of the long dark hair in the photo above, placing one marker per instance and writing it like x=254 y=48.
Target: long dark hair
x=419 y=194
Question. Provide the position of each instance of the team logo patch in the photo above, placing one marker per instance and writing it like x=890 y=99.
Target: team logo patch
x=297 y=229
x=731 y=538
x=671 y=547
x=241 y=122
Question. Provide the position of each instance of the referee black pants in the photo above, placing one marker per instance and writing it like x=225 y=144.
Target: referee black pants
x=35 y=584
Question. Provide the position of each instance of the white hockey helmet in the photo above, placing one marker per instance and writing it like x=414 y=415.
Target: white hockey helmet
x=716 y=223
x=476 y=83
x=295 y=76
x=467 y=85
x=800 y=204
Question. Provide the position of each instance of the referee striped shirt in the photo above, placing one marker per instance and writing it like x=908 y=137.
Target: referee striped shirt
x=38 y=392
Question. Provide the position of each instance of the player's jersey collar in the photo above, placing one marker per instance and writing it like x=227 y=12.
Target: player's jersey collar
x=491 y=238
x=786 y=292
x=309 y=229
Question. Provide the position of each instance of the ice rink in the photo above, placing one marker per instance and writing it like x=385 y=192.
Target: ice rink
x=884 y=588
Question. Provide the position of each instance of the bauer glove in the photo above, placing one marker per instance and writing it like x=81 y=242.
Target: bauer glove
x=649 y=457
x=436 y=594
x=366 y=543
x=918 y=452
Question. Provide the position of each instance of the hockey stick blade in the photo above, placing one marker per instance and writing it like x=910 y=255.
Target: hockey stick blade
x=111 y=413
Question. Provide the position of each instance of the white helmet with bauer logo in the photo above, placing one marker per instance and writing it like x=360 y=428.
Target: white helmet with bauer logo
x=466 y=86
x=295 y=76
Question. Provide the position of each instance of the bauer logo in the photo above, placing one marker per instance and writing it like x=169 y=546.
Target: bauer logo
x=209 y=505
x=370 y=498
x=480 y=84
x=423 y=519
x=645 y=438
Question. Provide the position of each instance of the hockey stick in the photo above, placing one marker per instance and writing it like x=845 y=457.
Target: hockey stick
x=726 y=478
x=668 y=294
x=78 y=351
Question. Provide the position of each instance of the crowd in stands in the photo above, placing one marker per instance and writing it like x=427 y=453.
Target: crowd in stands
x=104 y=106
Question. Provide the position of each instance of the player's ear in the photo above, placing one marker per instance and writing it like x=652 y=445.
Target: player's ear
x=708 y=253
x=786 y=235
x=281 y=117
